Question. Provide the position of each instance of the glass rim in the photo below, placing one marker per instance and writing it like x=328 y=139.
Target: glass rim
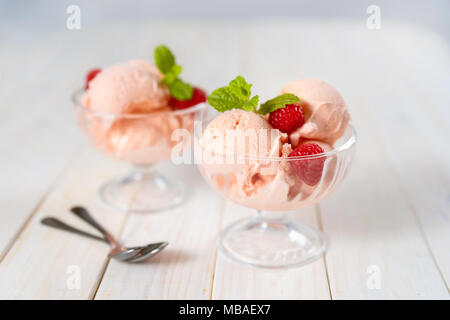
x=350 y=142
x=76 y=99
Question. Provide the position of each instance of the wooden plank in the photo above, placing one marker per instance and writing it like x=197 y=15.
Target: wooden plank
x=422 y=142
x=233 y=280
x=43 y=261
x=184 y=270
x=371 y=218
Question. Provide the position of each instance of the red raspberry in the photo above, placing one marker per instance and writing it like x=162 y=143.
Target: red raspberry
x=287 y=119
x=198 y=96
x=90 y=76
x=309 y=170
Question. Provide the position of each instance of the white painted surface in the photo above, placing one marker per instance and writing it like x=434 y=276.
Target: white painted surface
x=392 y=214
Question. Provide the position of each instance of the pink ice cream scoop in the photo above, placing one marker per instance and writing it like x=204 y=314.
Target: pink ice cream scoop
x=130 y=87
x=242 y=133
x=148 y=139
x=325 y=112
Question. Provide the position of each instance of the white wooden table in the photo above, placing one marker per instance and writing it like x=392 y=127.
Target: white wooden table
x=389 y=223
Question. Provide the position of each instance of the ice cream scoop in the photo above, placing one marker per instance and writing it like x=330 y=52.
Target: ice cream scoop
x=130 y=87
x=325 y=111
x=242 y=133
x=147 y=139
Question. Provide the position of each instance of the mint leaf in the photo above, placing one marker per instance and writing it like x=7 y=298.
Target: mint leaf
x=240 y=88
x=223 y=99
x=235 y=96
x=164 y=59
x=180 y=90
x=173 y=73
x=277 y=103
x=251 y=104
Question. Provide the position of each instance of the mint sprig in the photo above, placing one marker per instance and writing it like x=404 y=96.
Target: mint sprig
x=240 y=88
x=237 y=96
x=165 y=61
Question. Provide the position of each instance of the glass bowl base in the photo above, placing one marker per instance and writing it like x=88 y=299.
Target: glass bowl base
x=272 y=243
x=142 y=192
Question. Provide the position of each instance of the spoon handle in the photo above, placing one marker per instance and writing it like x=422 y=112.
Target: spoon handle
x=58 y=224
x=82 y=213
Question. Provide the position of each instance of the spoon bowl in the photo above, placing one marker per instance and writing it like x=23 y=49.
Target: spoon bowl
x=136 y=254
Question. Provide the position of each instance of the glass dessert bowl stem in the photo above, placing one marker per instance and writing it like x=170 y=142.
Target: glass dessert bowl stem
x=272 y=239
x=143 y=189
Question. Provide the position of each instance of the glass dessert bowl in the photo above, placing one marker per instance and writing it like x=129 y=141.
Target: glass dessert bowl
x=140 y=113
x=276 y=187
x=141 y=139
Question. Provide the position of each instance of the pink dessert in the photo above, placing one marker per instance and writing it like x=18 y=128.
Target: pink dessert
x=224 y=134
x=140 y=113
x=145 y=140
x=326 y=115
x=130 y=87
x=267 y=142
x=133 y=108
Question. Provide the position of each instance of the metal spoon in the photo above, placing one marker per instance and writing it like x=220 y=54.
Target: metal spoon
x=118 y=251
x=134 y=254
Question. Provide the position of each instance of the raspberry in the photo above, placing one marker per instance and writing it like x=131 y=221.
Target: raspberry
x=198 y=96
x=90 y=76
x=309 y=170
x=287 y=119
